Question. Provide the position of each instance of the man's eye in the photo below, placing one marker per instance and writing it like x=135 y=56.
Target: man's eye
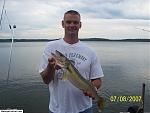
x=68 y=22
x=74 y=22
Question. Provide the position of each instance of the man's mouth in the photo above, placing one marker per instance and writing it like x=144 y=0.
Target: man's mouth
x=72 y=29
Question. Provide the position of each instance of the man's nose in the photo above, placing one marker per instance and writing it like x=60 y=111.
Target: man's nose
x=72 y=24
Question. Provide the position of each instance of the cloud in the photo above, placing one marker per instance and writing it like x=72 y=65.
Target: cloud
x=122 y=9
x=136 y=9
x=106 y=18
x=114 y=28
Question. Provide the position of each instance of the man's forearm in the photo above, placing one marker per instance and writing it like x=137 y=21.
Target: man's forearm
x=97 y=82
x=48 y=74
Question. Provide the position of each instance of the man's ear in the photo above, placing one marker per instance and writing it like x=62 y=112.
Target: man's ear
x=62 y=23
x=80 y=24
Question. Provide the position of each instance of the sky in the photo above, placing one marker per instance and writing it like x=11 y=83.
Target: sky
x=41 y=19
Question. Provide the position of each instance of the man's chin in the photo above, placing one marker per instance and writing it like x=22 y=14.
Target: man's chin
x=72 y=32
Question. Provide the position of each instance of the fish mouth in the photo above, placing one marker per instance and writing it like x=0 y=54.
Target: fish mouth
x=61 y=60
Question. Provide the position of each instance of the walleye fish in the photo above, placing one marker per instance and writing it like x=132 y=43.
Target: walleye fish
x=76 y=78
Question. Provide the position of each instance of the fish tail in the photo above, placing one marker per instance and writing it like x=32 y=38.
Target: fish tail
x=101 y=104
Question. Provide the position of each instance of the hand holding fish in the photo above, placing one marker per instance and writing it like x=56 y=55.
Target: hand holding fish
x=53 y=63
x=48 y=73
x=74 y=76
x=88 y=93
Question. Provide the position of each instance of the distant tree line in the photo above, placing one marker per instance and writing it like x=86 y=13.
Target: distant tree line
x=83 y=39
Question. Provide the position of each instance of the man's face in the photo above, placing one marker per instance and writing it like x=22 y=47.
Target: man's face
x=71 y=23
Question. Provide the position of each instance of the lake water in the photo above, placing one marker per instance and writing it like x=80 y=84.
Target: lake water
x=126 y=66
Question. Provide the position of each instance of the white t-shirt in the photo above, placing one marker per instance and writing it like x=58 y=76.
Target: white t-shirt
x=65 y=97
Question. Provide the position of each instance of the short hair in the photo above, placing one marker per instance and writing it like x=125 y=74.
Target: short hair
x=72 y=12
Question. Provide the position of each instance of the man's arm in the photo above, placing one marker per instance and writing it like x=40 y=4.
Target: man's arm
x=97 y=84
x=48 y=73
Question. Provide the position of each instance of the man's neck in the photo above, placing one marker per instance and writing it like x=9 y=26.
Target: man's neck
x=71 y=40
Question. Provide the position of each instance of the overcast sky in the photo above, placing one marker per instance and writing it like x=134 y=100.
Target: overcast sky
x=113 y=19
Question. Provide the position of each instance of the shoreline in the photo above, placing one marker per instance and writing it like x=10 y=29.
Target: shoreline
x=84 y=39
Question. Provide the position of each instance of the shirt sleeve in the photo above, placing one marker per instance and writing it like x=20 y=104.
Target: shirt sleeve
x=96 y=69
x=44 y=59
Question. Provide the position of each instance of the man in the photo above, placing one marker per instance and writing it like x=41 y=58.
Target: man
x=65 y=97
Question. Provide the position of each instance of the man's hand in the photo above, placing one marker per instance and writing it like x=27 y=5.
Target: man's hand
x=96 y=83
x=87 y=93
x=48 y=73
x=52 y=62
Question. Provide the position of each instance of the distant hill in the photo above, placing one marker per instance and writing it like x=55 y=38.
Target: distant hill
x=84 y=39
x=27 y=40
x=123 y=40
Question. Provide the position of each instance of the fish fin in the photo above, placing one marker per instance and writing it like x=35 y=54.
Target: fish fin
x=101 y=104
x=65 y=75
